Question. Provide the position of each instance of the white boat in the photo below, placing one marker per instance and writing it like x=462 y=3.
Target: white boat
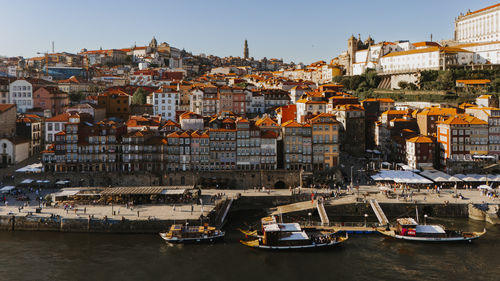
x=409 y=229
x=290 y=236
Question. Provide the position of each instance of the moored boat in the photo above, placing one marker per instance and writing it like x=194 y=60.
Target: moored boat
x=179 y=233
x=290 y=236
x=409 y=229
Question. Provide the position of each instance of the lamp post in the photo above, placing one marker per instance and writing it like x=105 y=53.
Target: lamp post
x=309 y=214
x=366 y=216
x=351 y=178
x=425 y=219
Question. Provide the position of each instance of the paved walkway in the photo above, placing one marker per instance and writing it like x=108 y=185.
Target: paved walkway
x=143 y=212
x=424 y=197
x=183 y=212
x=138 y=212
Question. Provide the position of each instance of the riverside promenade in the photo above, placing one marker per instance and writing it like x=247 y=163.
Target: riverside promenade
x=366 y=193
x=169 y=213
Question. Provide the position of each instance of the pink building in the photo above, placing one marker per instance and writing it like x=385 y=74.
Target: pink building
x=239 y=104
x=51 y=98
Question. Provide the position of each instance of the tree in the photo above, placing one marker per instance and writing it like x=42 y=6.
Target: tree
x=412 y=86
x=76 y=97
x=139 y=96
x=403 y=84
x=371 y=78
x=445 y=81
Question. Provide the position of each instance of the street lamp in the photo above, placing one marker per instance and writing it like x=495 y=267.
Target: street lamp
x=366 y=216
x=309 y=214
x=425 y=219
x=351 y=177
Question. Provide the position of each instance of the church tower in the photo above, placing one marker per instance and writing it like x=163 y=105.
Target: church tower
x=352 y=47
x=245 y=50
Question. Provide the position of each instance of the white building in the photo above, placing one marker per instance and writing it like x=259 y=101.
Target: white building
x=484 y=53
x=165 y=101
x=306 y=106
x=432 y=58
x=478 y=26
x=255 y=102
x=13 y=150
x=191 y=121
x=21 y=93
x=196 y=101
x=53 y=126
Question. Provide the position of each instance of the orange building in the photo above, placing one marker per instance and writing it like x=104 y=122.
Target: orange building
x=116 y=102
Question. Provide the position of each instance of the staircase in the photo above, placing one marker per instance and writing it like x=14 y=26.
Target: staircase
x=322 y=212
x=382 y=219
x=221 y=217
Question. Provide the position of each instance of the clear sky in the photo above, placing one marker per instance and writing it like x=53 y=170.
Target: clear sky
x=295 y=30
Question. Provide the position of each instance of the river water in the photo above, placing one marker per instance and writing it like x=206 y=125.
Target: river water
x=74 y=256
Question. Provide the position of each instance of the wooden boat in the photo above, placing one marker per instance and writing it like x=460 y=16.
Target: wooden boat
x=258 y=233
x=290 y=236
x=179 y=233
x=409 y=229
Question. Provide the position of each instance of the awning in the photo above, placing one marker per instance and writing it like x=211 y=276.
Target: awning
x=478 y=178
x=66 y=192
x=173 y=191
x=27 y=181
x=33 y=168
x=400 y=177
x=7 y=188
x=62 y=182
x=438 y=176
x=144 y=190
x=406 y=167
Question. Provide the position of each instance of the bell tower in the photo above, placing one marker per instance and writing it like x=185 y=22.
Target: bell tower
x=352 y=47
x=245 y=50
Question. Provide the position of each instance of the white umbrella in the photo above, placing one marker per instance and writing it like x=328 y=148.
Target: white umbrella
x=484 y=186
x=384 y=188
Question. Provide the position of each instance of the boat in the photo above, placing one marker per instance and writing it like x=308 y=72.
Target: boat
x=289 y=236
x=258 y=233
x=179 y=233
x=409 y=229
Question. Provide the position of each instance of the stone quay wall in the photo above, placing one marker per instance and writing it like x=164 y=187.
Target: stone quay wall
x=18 y=223
x=225 y=179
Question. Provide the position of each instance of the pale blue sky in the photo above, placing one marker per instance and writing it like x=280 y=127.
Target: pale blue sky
x=306 y=31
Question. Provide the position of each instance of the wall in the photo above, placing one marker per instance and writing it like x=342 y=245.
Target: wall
x=409 y=78
x=225 y=179
x=8 y=118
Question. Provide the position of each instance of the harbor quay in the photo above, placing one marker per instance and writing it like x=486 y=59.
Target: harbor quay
x=341 y=207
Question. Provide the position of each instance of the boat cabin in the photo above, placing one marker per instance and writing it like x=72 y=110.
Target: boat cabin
x=409 y=227
x=182 y=231
x=284 y=234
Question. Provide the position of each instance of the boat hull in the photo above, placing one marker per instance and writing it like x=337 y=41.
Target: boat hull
x=315 y=246
x=197 y=240
x=472 y=236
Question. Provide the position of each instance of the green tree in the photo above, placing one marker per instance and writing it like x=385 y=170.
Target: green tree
x=76 y=97
x=403 y=84
x=139 y=96
x=371 y=78
x=445 y=81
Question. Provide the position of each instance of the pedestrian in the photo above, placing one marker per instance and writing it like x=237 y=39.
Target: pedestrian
x=192 y=208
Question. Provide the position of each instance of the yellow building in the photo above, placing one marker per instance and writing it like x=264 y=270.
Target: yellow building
x=325 y=138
